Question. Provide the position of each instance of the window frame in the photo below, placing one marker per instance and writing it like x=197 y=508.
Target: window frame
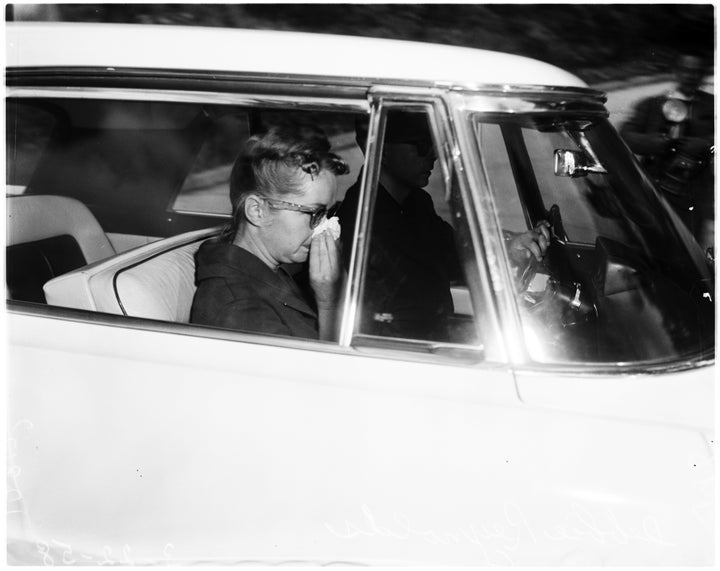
x=435 y=104
x=257 y=96
x=281 y=98
x=504 y=290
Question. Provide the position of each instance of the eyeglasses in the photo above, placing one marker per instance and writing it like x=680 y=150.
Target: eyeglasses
x=316 y=214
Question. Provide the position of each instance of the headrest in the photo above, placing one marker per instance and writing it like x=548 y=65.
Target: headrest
x=154 y=281
x=36 y=217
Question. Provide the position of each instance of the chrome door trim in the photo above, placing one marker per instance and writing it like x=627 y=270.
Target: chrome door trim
x=182 y=96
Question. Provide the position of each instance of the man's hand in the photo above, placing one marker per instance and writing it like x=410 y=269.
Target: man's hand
x=531 y=243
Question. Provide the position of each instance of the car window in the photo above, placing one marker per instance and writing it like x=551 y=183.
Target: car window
x=146 y=168
x=91 y=169
x=621 y=281
x=161 y=168
x=414 y=285
x=121 y=159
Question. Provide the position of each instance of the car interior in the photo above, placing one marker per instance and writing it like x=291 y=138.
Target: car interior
x=78 y=169
x=155 y=281
x=48 y=236
x=108 y=201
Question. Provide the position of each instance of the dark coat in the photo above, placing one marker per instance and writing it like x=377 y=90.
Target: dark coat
x=236 y=290
x=412 y=261
x=677 y=159
x=648 y=133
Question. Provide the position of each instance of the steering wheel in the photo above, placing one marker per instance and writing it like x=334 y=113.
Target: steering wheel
x=561 y=299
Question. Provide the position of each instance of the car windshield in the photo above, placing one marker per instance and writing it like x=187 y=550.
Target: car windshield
x=623 y=280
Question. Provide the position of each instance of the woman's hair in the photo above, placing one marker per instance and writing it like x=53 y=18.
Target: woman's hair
x=273 y=164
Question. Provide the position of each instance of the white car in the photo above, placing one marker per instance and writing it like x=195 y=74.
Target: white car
x=567 y=419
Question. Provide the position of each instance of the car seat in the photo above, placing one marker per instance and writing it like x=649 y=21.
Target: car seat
x=153 y=281
x=48 y=236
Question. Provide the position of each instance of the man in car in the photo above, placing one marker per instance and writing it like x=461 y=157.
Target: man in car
x=673 y=135
x=413 y=258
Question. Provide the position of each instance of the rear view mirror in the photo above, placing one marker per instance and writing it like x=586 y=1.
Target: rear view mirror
x=574 y=164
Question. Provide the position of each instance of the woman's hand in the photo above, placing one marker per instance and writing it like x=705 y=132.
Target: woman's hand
x=531 y=243
x=325 y=269
x=325 y=274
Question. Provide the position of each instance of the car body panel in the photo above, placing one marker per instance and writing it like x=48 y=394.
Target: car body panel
x=683 y=398
x=254 y=453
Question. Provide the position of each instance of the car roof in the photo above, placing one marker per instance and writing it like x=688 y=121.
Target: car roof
x=53 y=44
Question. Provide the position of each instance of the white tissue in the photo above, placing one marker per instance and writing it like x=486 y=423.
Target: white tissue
x=331 y=225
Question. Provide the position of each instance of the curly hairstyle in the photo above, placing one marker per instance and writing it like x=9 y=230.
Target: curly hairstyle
x=274 y=163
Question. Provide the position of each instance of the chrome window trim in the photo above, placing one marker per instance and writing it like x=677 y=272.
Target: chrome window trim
x=45 y=74
x=170 y=328
x=526 y=102
x=485 y=229
x=478 y=283
x=178 y=96
x=368 y=181
x=620 y=368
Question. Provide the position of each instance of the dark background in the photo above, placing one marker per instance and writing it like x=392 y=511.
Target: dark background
x=598 y=42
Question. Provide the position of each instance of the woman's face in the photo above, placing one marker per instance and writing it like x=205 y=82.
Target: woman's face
x=287 y=235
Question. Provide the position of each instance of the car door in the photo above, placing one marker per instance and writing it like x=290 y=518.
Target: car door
x=619 y=433
x=137 y=441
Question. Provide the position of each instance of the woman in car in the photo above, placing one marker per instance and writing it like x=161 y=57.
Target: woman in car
x=282 y=186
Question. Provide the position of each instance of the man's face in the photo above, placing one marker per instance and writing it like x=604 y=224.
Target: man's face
x=410 y=163
x=689 y=74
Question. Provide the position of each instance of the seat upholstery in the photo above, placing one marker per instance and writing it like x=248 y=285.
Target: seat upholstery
x=47 y=236
x=154 y=281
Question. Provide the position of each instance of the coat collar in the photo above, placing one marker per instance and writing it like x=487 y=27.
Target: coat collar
x=235 y=264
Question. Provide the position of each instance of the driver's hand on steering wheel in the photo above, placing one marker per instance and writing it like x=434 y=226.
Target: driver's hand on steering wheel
x=533 y=243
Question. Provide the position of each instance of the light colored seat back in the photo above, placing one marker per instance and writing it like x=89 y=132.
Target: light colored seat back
x=36 y=217
x=161 y=287
x=155 y=281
